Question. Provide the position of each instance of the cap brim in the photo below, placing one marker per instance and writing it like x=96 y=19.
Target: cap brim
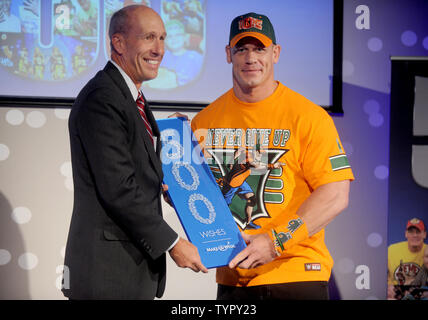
x=263 y=39
x=415 y=226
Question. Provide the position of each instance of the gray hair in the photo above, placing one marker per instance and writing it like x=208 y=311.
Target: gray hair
x=119 y=22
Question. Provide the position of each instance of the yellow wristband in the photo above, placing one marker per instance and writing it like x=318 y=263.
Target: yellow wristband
x=294 y=232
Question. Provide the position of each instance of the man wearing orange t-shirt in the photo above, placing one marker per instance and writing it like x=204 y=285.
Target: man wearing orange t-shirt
x=296 y=184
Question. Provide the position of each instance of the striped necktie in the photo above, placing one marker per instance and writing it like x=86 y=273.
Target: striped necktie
x=141 y=106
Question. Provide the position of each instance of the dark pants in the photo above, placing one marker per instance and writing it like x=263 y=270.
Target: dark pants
x=310 y=290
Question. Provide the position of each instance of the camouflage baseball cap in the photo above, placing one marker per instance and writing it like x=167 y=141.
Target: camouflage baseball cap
x=252 y=25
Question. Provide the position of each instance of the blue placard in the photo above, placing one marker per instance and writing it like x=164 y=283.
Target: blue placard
x=197 y=199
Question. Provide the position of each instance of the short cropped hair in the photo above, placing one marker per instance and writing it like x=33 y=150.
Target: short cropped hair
x=119 y=22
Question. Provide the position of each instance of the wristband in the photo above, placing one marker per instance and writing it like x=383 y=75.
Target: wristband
x=294 y=232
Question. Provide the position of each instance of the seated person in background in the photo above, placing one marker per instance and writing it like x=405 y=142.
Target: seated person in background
x=406 y=258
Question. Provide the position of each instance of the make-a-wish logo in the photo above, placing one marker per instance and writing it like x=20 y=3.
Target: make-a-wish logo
x=221 y=247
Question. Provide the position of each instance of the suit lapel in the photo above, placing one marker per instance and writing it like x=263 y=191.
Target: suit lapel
x=154 y=156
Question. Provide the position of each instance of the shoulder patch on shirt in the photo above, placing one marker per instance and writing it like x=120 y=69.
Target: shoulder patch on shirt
x=339 y=162
x=339 y=145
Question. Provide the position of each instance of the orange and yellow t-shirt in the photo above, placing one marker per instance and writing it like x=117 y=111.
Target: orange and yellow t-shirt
x=294 y=148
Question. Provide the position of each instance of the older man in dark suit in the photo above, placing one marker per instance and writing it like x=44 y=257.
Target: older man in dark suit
x=118 y=239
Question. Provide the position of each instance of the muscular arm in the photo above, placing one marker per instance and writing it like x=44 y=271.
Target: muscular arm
x=317 y=211
x=323 y=205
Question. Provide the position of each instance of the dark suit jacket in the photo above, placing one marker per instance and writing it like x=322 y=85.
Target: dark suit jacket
x=117 y=240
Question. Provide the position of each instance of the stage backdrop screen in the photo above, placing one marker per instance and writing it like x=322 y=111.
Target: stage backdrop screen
x=53 y=47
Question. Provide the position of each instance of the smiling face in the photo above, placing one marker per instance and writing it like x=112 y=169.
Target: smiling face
x=253 y=64
x=415 y=238
x=140 y=50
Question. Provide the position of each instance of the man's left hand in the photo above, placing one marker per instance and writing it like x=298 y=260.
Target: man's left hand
x=259 y=251
x=178 y=115
x=165 y=195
